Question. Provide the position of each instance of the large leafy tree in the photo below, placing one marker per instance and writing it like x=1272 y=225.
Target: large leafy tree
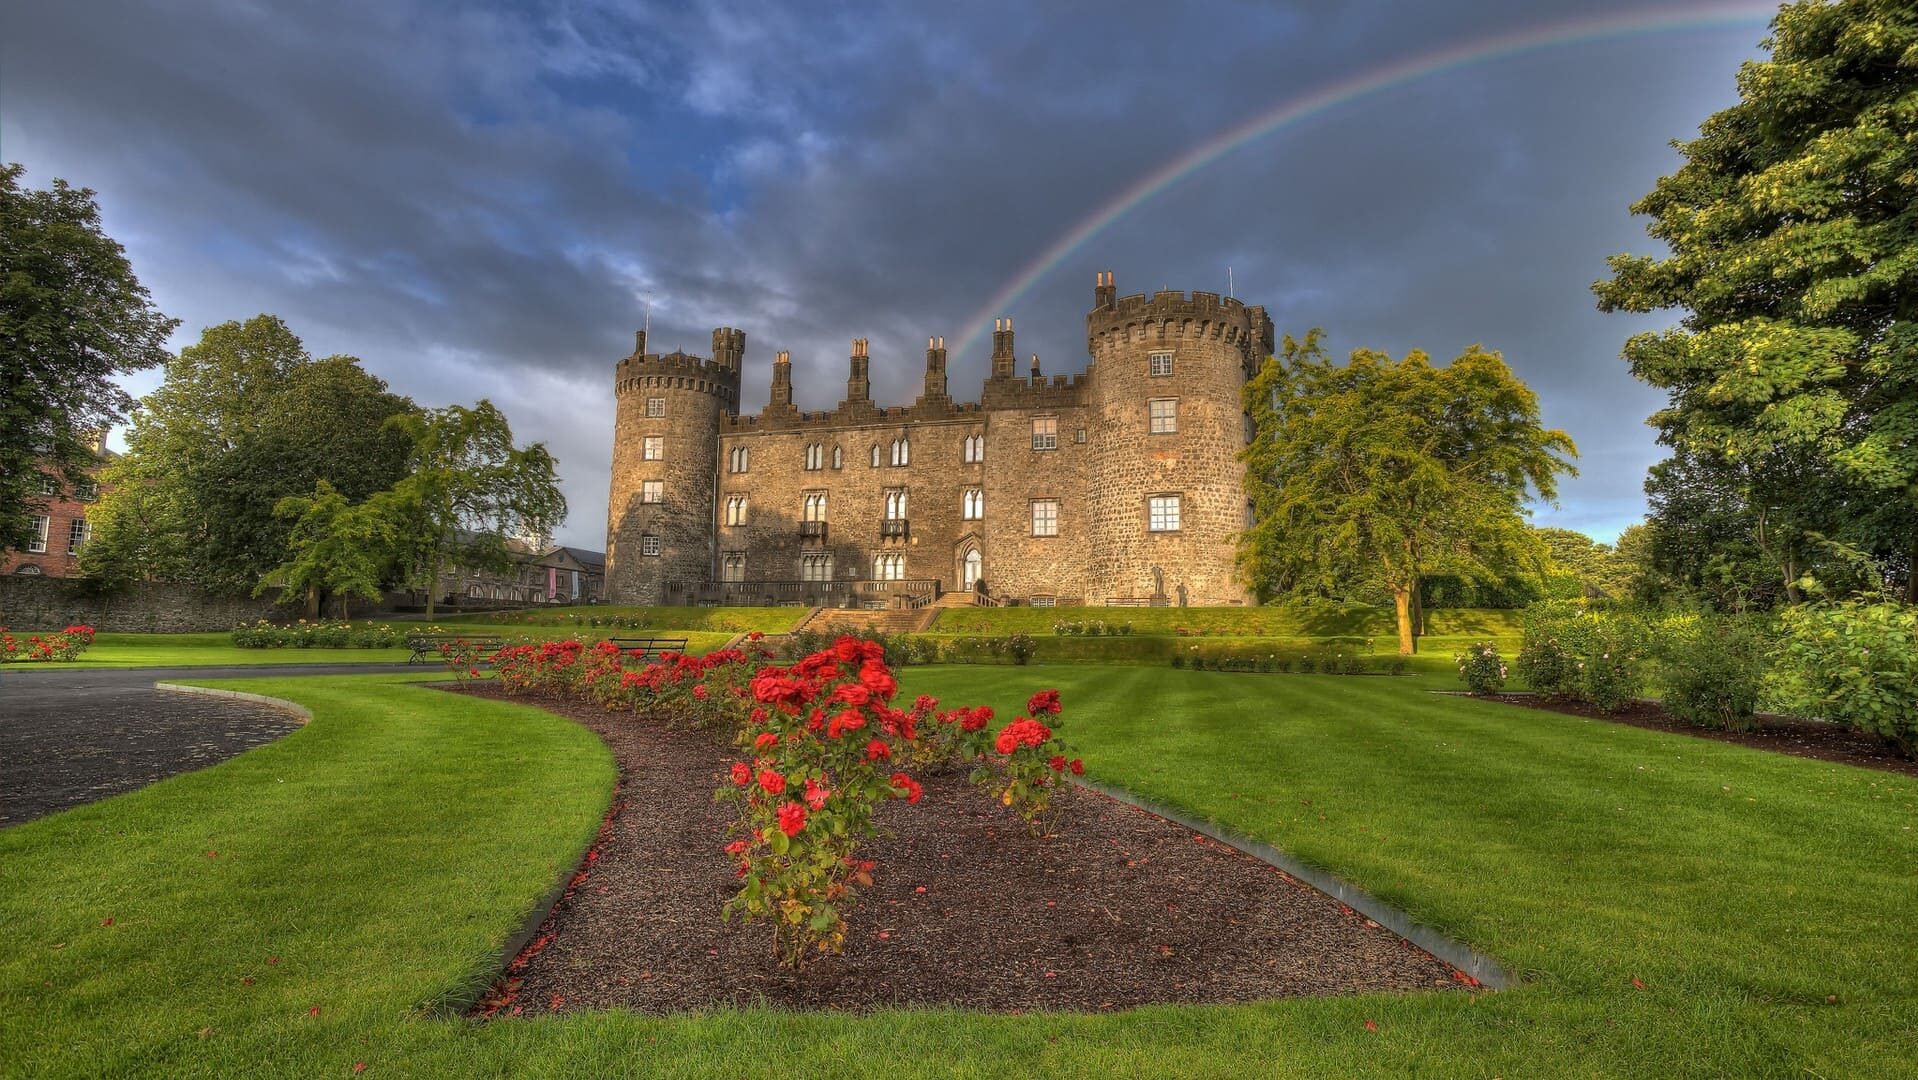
x=1793 y=250
x=1382 y=473
x=72 y=316
x=334 y=547
x=244 y=418
x=466 y=490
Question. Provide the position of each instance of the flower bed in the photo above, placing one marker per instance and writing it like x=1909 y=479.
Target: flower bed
x=68 y=644
x=325 y=635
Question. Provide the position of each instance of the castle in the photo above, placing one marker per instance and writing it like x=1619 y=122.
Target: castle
x=1118 y=486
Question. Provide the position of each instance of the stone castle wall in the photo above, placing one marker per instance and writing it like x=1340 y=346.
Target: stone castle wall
x=1104 y=466
x=41 y=603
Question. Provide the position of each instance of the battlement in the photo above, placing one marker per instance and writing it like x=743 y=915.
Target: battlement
x=1170 y=314
x=676 y=370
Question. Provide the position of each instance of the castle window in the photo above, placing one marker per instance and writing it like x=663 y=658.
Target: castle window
x=735 y=509
x=973 y=449
x=1079 y=436
x=1159 y=363
x=649 y=545
x=1162 y=513
x=1045 y=517
x=652 y=491
x=739 y=459
x=37 y=540
x=901 y=451
x=1045 y=433
x=87 y=491
x=890 y=567
x=652 y=448
x=875 y=455
x=815 y=566
x=734 y=566
x=1163 y=413
x=655 y=406
x=815 y=506
x=972 y=505
x=838 y=457
x=895 y=504
x=77 y=534
x=815 y=456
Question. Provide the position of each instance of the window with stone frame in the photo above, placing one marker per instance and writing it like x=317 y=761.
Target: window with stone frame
x=895 y=504
x=813 y=507
x=815 y=566
x=37 y=540
x=652 y=448
x=733 y=566
x=1163 y=415
x=901 y=451
x=1045 y=433
x=838 y=457
x=655 y=406
x=735 y=509
x=972 y=450
x=649 y=544
x=1162 y=513
x=738 y=460
x=875 y=455
x=889 y=567
x=1045 y=517
x=972 y=505
x=1159 y=364
x=652 y=491
x=815 y=455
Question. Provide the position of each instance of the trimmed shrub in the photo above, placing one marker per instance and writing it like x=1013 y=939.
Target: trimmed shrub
x=1594 y=657
x=1712 y=669
x=1482 y=668
x=325 y=635
x=1853 y=663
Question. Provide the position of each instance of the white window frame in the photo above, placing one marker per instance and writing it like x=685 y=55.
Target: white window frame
x=815 y=456
x=901 y=452
x=815 y=566
x=1043 y=517
x=732 y=566
x=1159 y=365
x=739 y=460
x=1164 y=513
x=1045 y=433
x=649 y=544
x=652 y=492
x=972 y=505
x=652 y=448
x=972 y=450
x=37 y=543
x=655 y=407
x=79 y=531
x=813 y=506
x=889 y=566
x=735 y=510
x=1162 y=416
x=895 y=504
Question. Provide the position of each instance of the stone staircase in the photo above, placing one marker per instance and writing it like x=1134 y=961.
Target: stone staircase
x=889 y=621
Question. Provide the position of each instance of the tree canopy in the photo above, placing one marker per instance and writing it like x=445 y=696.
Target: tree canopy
x=72 y=316
x=1385 y=472
x=1793 y=251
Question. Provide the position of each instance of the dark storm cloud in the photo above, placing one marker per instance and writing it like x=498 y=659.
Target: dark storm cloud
x=480 y=200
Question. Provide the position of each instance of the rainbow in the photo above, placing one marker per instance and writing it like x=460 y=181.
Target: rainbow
x=1294 y=110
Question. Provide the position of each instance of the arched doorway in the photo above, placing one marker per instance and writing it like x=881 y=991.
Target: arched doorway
x=971 y=569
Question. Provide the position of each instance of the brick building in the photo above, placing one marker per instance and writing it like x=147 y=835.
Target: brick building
x=1120 y=485
x=60 y=530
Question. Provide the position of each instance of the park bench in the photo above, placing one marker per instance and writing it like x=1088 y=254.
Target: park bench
x=426 y=647
x=649 y=648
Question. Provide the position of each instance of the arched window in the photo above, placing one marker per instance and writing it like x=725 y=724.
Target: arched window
x=972 y=505
x=815 y=456
x=738 y=460
x=889 y=567
x=838 y=457
x=875 y=455
x=896 y=504
x=901 y=451
x=973 y=449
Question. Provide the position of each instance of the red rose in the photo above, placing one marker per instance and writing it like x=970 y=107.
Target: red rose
x=1058 y=762
x=742 y=775
x=878 y=680
x=1078 y=767
x=755 y=635
x=877 y=750
x=816 y=795
x=700 y=692
x=846 y=650
x=772 y=781
x=737 y=847
x=792 y=818
x=852 y=693
x=766 y=741
x=1045 y=701
x=906 y=787
x=844 y=721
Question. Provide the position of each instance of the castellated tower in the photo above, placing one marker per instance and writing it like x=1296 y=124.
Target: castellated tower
x=659 y=528
x=1167 y=489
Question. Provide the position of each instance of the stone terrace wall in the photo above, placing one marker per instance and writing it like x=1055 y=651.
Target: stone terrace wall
x=38 y=603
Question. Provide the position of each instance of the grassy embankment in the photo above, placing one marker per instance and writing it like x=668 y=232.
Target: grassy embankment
x=1675 y=907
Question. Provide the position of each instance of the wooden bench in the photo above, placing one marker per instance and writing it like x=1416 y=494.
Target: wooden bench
x=426 y=647
x=649 y=648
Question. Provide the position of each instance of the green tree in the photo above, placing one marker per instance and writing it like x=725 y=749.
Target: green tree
x=243 y=419
x=1384 y=472
x=334 y=547
x=466 y=490
x=1793 y=250
x=72 y=316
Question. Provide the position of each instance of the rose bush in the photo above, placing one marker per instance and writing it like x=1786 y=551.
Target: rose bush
x=1481 y=668
x=68 y=644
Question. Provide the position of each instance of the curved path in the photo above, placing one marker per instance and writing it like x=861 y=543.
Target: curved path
x=70 y=736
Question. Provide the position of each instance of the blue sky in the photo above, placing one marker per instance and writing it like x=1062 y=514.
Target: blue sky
x=480 y=199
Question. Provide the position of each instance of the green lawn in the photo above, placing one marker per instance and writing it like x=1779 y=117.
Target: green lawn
x=1281 y=621
x=217 y=649
x=383 y=851
x=618 y=618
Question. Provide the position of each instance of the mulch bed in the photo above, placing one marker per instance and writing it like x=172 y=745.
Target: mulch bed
x=1779 y=734
x=1120 y=908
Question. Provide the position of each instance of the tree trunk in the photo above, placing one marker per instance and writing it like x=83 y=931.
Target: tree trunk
x=313 y=602
x=432 y=586
x=1911 y=570
x=345 y=598
x=1402 y=607
x=1418 y=615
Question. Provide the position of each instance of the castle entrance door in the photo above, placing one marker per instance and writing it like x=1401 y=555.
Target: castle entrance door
x=969 y=570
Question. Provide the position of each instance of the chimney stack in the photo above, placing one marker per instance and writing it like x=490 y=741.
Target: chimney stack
x=935 y=368
x=782 y=395
x=1002 y=357
x=858 y=385
x=639 y=343
x=1104 y=292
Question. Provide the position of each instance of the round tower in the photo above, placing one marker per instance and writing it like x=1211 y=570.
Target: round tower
x=660 y=518
x=1167 y=489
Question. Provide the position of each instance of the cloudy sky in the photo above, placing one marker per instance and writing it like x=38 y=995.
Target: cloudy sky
x=479 y=199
